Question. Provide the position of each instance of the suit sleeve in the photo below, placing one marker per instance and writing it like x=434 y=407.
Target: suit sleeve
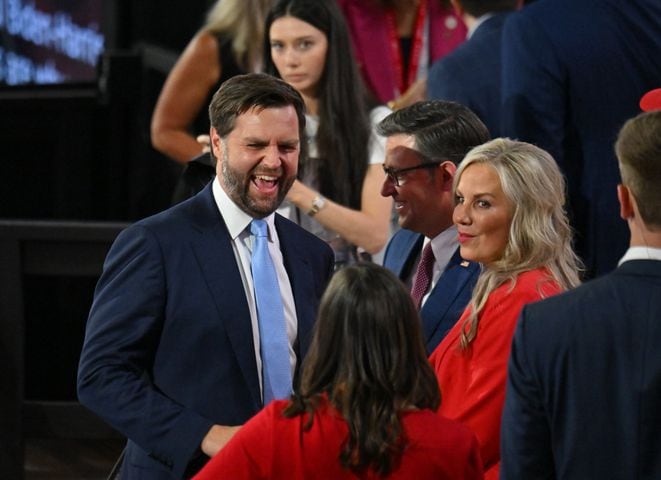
x=525 y=434
x=441 y=83
x=123 y=330
x=533 y=86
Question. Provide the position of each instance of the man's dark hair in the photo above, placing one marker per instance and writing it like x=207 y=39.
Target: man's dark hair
x=442 y=130
x=241 y=93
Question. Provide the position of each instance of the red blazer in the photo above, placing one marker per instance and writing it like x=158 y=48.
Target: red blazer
x=369 y=34
x=472 y=382
x=271 y=446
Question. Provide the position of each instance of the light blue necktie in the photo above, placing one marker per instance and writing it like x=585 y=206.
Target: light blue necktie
x=276 y=371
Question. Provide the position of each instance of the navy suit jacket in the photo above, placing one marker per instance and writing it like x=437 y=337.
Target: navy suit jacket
x=584 y=386
x=470 y=75
x=169 y=349
x=451 y=293
x=573 y=72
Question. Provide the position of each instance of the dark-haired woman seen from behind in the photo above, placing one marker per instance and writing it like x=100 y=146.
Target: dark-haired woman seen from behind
x=364 y=408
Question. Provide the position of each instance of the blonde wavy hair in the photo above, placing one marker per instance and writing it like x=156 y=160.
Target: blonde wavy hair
x=540 y=235
x=243 y=21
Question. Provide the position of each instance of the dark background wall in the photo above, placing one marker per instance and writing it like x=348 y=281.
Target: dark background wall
x=82 y=152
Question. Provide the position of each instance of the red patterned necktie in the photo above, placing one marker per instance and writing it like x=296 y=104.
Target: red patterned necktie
x=423 y=274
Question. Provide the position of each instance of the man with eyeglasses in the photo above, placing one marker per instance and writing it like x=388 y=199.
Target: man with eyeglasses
x=425 y=142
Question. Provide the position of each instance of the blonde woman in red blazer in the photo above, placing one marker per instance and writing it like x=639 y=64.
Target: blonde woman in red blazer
x=510 y=217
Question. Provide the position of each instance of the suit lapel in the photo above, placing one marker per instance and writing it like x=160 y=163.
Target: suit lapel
x=404 y=253
x=447 y=289
x=302 y=282
x=213 y=249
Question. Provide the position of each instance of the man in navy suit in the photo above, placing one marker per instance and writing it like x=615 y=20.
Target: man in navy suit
x=470 y=74
x=573 y=72
x=584 y=385
x=172 y=356
x=425 y=142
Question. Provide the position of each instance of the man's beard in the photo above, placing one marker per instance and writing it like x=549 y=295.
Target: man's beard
x=237 y=186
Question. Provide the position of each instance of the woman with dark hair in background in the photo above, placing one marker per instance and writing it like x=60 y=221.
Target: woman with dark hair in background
x=364 y=408
x=337 y=198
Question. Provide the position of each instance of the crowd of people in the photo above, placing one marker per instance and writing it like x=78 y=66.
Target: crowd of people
x=363 y=282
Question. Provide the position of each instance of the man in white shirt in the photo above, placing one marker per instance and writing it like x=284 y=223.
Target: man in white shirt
x=174 y=350
x=584 y=385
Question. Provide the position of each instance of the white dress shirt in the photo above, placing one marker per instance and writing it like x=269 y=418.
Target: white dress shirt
x=238 y=225
x=641 y=253
x=443 y=245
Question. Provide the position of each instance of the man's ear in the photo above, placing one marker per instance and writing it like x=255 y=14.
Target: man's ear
x=216 y=143
x=626 y=202
x=446 y=173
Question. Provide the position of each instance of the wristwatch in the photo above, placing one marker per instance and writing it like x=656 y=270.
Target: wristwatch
x=318 y=203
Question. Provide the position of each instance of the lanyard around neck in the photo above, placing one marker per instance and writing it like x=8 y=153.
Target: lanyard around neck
x=403 y=82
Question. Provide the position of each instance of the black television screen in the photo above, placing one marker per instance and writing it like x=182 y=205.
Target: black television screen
x=50 y=41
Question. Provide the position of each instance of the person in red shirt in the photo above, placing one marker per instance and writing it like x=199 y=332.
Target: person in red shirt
x=365 y=405
x=510 y=217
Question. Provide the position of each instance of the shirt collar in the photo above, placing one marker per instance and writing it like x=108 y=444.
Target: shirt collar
x=237 y=220
x=641 y=253
x=444 y=245
x=479 y=21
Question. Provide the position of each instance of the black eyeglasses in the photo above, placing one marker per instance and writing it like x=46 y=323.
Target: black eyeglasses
x=394 y=174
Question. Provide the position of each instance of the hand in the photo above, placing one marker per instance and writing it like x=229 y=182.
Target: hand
x=415 y=93
x=205 y=141
x=297 y=193
x=216 y=438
